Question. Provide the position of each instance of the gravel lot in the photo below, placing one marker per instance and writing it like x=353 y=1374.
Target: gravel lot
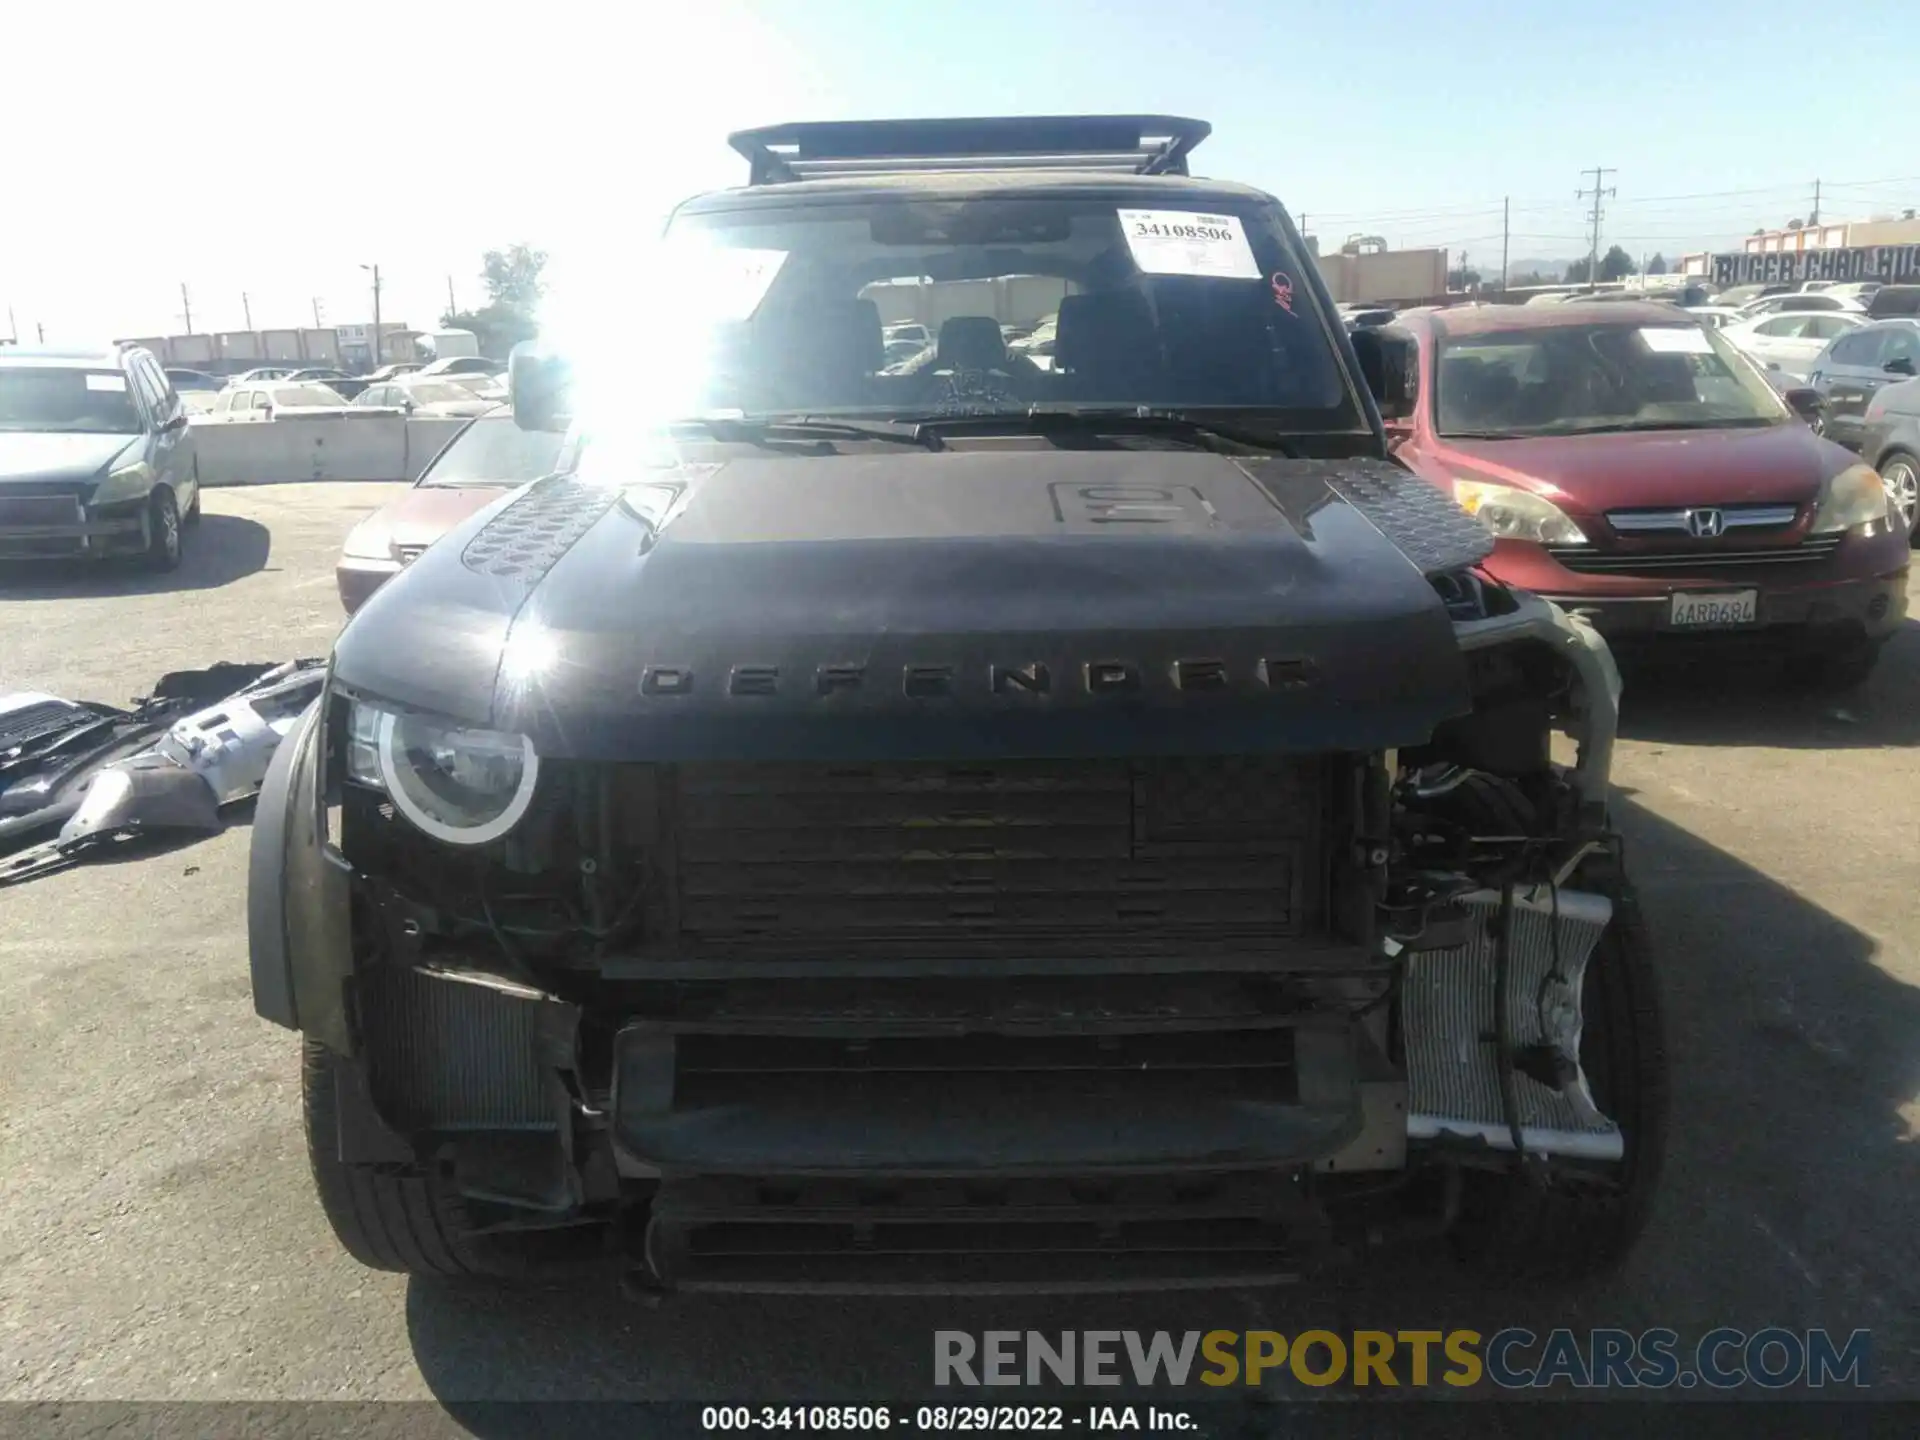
x=159 y=1237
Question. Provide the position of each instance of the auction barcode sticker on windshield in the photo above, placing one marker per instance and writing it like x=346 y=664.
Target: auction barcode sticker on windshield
x=1185 y=242
x=106 y=382
x=1673 y=340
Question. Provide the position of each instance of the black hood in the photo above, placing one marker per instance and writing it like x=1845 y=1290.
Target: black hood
x=938 y=605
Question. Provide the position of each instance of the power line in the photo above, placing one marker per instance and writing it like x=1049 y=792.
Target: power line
x=1601 y=190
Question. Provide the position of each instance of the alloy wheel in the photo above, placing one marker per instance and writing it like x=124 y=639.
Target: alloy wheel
x=1902 y=480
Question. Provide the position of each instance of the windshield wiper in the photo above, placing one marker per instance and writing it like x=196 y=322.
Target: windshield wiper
x=772 y=429
x=1223 y=435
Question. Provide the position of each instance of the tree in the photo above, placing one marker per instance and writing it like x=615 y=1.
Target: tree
x=1657 y=265
x=1463 y=278
x=514 y=282
x=1616 y=264
x=1577 y=271
x=513 y=276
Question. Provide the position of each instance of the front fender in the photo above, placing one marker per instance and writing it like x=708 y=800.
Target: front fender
x=299 y=935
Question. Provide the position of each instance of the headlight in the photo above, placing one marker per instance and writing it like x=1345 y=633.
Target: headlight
x=129 y=482
x=367 y=541
x=458 y=784
x=1517 y=514
x=1853 y=497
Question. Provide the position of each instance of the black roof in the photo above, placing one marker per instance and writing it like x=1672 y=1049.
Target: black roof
x=1104 y=144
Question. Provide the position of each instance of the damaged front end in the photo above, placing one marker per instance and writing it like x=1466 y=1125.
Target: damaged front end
x=1105 y=1021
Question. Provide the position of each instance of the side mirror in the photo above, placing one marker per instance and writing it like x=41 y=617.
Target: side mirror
x=1804 y=401
x=176 y=421
x=1899 y=365
x=1390 y=364
x=540 y=385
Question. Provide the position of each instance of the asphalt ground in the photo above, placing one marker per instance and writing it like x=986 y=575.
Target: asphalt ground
x=159 y=1237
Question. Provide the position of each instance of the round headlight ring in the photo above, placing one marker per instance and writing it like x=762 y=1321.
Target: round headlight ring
x=395 y=771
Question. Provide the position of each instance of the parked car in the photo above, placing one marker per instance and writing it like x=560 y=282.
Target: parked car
x=262 y=373
x=908 y=330
x=393 y=370
x=1798 y=300
x=491 y=388
x=1638 y=470
x=96 y=458
x=1790 y=342
x=1890 y=442
x=259 y=402
x=1739 y=295
x=184 y=380
x=1854 y=366
x=487 y=457
x=1053 y=830
x=427 y=398
x=342 y=384
x=1891 y=300
x=462 y=365
x=1715 y=316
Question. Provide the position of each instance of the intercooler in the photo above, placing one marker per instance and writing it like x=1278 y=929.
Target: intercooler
x=1449 y=1021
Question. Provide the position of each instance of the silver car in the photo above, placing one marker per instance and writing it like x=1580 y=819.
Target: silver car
x=1890 y=442
x=1856 y=365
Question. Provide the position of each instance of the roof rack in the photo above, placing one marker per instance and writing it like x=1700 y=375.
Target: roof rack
x=1117 y=144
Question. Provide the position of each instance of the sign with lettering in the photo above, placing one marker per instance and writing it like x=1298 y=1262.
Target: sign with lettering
x=1889 y=264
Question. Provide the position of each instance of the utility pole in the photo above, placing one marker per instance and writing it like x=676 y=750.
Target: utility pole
x=318 y=323
x=1600 y=191
x=1814 y=219
x=41 y=327
x=13 y=326
x=186 y=307
x=378 y=358
x=246 y=309
x=1506 y=220
x=453 y=307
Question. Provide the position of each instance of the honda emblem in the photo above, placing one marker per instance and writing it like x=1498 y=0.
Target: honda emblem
x=1706 y=524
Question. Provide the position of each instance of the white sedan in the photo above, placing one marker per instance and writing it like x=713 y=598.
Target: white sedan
x=1790 y=342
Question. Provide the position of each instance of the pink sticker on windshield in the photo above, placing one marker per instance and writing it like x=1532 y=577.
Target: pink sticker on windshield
x=1283 y=290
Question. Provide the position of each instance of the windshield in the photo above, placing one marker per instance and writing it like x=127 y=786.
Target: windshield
x=788 y=311
x=96 y=402
x=495 y=451
x=1571 y=378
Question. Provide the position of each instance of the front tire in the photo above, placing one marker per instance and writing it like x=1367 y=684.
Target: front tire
x=387 y=1218
x=1567 y=1227
x=1900 y=473
x=163 y=532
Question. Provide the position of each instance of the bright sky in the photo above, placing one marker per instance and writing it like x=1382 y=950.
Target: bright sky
x=273 y=149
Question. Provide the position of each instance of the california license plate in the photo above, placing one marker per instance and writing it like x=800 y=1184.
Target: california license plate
x=1702 y=608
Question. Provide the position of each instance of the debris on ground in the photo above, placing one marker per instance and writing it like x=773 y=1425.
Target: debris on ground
x=79 y=777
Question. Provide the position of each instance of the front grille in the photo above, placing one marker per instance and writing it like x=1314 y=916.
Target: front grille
x=1677 y=521
x=1021 y=1234
x=33 y=510
x=1587 y=561
x=21 y=727
x=407 y=554
x=1034 y=853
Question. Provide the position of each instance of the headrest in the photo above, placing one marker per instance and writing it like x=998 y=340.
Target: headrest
x=971 y=342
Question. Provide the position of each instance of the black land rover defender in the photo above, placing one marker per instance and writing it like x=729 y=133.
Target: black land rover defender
x=990 y=818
